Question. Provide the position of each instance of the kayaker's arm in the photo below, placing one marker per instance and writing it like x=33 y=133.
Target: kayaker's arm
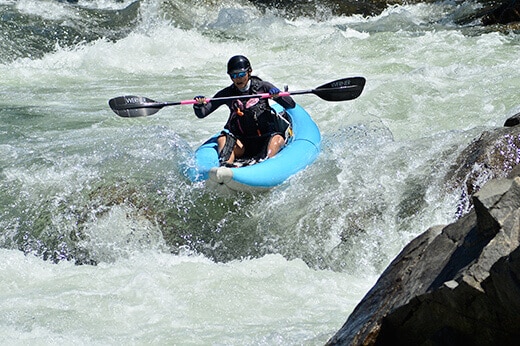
x=204 y=108
x=201 y=108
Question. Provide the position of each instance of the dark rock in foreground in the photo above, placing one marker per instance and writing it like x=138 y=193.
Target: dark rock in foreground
x=452 y=285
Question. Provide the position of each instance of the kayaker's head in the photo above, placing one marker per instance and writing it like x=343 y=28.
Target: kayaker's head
x=239 y=69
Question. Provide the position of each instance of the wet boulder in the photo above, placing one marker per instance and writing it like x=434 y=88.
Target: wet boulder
x=316 y=8
x=492 y=155
x=502 y=12
x=483 y=12
x=454 y=284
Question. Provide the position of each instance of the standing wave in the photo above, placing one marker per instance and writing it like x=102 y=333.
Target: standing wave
x=30 y=28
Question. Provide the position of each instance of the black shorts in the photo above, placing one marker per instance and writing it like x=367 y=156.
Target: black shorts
x=256 y=147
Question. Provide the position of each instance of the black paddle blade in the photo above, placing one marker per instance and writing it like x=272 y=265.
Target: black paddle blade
x=134 y=106
x=341 y=90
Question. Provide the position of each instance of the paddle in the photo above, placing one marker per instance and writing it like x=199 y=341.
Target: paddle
x=338 y=90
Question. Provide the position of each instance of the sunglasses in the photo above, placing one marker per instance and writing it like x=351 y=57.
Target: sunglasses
x=237 y=75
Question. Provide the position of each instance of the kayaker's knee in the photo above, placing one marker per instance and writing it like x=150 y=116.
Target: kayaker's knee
x=275 y=144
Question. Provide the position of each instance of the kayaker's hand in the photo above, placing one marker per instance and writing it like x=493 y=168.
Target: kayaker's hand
x=273 y=92
x=201 y=100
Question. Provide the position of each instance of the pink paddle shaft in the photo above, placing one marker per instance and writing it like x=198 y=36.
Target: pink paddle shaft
x=262 y=96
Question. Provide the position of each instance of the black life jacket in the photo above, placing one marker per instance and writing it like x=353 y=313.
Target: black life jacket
x=254 y=117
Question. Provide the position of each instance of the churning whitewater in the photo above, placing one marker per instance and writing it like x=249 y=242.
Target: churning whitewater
x=105 y=241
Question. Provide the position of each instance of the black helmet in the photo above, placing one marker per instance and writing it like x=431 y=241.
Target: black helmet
x=238 y=63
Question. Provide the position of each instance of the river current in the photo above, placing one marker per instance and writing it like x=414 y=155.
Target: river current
x=104 y=241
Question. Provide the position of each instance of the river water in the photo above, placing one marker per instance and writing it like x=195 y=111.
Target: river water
x=104 y=241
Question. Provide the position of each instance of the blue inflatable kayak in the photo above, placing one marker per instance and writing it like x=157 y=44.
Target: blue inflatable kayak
x=300 y=151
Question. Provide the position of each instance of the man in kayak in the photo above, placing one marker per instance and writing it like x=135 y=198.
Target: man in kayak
x=253 y=129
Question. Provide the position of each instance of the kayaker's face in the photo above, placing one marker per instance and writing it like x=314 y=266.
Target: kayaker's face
x=240 y=79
